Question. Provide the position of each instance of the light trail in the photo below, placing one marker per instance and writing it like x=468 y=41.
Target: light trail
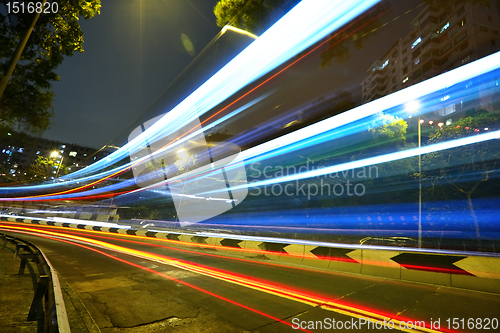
x=247 y=59
x=310 y=135
x=236 y=251
x=302 y=138
x=162 y=275
x=304 y=297
x=378 y=159
x=301 y=27
x=338 y=127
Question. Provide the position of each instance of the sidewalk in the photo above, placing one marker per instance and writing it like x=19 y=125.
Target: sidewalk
x=16 y=294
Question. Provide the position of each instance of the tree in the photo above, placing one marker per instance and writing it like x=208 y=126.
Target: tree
x=255 y=16
x=27 y=100
x=463 y=169
x=44 y=168
x=388 y=129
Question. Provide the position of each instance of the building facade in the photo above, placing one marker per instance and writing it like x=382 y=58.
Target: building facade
x=19 y=151
x=439 y=41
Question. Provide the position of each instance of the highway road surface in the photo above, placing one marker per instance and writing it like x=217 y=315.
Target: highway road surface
x=125 y=283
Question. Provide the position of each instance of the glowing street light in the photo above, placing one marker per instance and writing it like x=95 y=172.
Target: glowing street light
x=412 y=106
x=183 y=155
x=55 y=154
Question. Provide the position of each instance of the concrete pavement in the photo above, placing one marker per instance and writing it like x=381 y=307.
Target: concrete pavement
x=16 y=294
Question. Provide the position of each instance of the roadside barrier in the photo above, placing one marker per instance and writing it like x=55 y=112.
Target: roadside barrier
x=48 y=300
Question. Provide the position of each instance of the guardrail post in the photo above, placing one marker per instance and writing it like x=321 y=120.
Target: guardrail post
x=23 y=265
x=19 y=247
x=24 y=259
x=37 y=305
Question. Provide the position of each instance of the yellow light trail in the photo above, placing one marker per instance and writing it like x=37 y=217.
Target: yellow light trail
x=284 y=292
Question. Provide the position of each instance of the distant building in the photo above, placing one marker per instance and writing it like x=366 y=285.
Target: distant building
x=438 y=41
x=18 y=151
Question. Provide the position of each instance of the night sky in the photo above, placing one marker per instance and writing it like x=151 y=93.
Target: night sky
x=126 y=65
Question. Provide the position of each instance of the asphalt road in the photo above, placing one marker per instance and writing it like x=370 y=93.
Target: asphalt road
x=121 y=283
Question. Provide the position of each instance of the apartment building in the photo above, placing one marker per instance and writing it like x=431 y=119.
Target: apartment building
x=438 y=41
x=18 y=151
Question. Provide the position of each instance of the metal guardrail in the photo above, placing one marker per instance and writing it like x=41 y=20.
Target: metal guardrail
x=48 y=299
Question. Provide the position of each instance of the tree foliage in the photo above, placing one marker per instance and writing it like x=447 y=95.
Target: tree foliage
x=44 y=168
x=27 y=100
x=255 y=16
x=388 y=129
x=460 y=172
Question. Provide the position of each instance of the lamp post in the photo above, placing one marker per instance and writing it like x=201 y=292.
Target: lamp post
x=420 y=121
x=413 y=106
x=59 y=166
x=55 y=154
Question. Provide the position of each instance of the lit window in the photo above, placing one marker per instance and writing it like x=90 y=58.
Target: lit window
x=446 y=26
x=415 y=43
x=37 y=152
x=63 y=146
x=405 y=79
x=72 y=153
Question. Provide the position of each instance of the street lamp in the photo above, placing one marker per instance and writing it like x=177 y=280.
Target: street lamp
x=413 y=106
x=55 y=154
